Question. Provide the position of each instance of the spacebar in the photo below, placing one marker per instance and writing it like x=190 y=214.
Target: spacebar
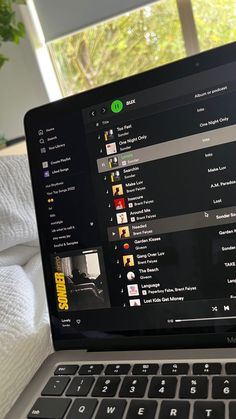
x=49 y=408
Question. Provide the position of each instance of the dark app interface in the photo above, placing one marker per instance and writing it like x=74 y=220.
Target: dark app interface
x=141 y=207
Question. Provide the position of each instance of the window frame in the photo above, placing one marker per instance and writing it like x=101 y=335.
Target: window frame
x=44 y=59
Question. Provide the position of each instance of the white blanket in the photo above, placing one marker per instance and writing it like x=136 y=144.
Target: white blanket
x=24 y=325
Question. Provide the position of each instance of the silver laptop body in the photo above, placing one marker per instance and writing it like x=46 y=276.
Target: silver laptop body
x=134 y=188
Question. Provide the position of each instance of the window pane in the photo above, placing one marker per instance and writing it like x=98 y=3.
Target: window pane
x=216 y=22
x=126 y=45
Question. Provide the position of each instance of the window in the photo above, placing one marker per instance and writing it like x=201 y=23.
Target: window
x=129 y=44
x=140 y=40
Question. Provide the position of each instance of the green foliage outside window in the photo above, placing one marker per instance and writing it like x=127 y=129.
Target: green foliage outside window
x=129 y=44
x=215 y=21
x=137 y=41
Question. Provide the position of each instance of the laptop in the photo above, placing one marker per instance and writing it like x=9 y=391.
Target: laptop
x=135 y=194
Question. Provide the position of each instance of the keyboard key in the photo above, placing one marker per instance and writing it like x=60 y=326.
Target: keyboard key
x=224 y=388
x=49 y=408
x=207 y=369
x=212 y=410
x=117 y=369
x=162 y=387
x=230 y=368
x=193 y=388
x=175 y=369
x=232 y=410
x=142 y=408
x=133 y=387
x=92 y=369
x=106 y=386
x=80 y=386
x=82 y=409
x=111 y=409
x=55 y=386
x=66 y=370
x=174 y=409
x=145 y=369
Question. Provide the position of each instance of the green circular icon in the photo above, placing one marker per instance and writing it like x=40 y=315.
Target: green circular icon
x=117 y=106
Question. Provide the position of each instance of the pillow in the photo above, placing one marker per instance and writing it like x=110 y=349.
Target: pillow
x=24 y=325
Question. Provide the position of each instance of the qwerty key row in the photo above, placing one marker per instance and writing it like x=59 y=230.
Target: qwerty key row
x=88 y=408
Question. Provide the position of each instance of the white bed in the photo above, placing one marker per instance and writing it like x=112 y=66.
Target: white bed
x=24 y=325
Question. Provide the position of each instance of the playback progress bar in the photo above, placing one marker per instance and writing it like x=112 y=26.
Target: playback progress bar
x=202 y=319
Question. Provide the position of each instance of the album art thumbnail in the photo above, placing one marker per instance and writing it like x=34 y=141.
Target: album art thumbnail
x=111 y=148
x=124 y=232
x=133 y=290
x=117 y=190
x=80 y=280
x=119 y=203
x=135 y=302
x=115 y=176
x=126 y=246
x=113 y=162
x=121 y=217
x=128 y=260
x=130 y=276
x=109 y=135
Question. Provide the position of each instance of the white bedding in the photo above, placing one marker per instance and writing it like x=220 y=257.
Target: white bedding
x=24 y=325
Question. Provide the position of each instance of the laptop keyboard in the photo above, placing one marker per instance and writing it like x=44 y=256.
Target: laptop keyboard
x=140 y=391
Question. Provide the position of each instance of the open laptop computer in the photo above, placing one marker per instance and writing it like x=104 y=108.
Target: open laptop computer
x=135 y=194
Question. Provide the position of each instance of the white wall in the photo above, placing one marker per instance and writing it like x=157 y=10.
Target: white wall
x=21 y=87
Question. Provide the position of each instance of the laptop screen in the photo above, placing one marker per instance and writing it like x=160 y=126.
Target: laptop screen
x=135 y=194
